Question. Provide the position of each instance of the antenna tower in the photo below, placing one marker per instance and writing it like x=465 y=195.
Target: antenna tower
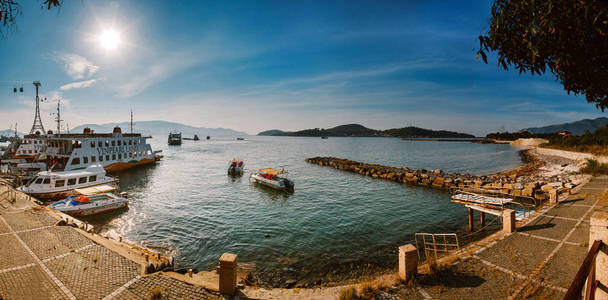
x=37 y=121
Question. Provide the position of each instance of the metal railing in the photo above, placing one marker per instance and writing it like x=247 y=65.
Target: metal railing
x=586 y=273
x=436 y=243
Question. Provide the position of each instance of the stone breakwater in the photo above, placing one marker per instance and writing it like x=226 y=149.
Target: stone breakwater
x=511 y=183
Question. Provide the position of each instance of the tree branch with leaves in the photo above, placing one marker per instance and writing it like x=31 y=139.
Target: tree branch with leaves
x=10 y=9
x=565 y=37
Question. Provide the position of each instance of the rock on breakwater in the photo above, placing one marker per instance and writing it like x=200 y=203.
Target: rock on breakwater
x=516 y=184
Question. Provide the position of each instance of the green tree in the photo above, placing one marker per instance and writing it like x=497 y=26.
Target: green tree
x=10 y=9
x=566 y=37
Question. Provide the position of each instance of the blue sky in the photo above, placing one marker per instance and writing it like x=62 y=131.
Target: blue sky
x=252 y=66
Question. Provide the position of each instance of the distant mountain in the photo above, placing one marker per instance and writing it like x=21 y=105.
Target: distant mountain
x=160 y=128
x=360 y=130
x=576 y=128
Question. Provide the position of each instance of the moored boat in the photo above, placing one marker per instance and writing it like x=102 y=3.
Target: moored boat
x=276 y=179
x=49 y=185
x=89 y=205
x=236 y=167
x=175 y=139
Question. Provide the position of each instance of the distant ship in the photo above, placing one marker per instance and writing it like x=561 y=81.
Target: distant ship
x=175 y=139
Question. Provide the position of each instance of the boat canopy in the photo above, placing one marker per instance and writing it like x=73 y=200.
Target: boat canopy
x=271 y=171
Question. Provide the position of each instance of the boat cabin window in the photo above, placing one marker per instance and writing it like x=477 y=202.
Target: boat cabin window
x=130 y=142
x=92 y=178
x=107 y=143
x=113 y=156
x=85 y=159
x=39 y=181
x=92 y=144
x=119 y=143
x=76 y=160
x=46 y=181
x=93 y=159
x=101 y=158
x=76 y=145
x=99 y=143
x=108 y=157
x=35 y=142
x=113 y=143
x=82 y=180
x=119 y=155
x=72 y=181
x=59 y=183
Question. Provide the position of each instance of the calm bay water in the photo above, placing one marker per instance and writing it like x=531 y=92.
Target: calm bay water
x=188 y=204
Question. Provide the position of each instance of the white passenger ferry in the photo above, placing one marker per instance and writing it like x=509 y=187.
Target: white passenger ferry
x=51 y=185
x=114 y=151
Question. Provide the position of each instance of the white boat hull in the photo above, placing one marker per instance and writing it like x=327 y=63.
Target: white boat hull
x=93 y=208
x=275 y=184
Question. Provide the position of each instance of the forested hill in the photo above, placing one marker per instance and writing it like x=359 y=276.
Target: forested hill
x=362 y=131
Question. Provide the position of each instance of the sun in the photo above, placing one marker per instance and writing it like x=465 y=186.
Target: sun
x=109 y=39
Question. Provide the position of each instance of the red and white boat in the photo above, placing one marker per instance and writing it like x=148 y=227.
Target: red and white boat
x=89 y=205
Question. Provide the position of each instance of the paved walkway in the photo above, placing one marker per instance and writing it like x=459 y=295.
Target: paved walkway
x=538 y=261
x=41 y=261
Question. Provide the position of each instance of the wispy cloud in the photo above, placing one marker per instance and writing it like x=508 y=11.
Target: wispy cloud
x=76 y=66
x=77 y=84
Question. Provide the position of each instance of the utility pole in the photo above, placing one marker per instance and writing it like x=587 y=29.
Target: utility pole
x=37 y=121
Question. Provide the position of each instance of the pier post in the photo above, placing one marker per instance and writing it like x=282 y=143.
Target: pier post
x=599 y=231
x=482 y=218
x=408 y=262
x=508 y=220
x=227 y=270
x=471 y=214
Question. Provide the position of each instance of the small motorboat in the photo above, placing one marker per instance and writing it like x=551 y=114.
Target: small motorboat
x=236 y=167
x=240 y=139
x=276 y=179
x=89 y=205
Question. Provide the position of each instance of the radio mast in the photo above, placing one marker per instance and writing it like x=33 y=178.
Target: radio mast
x=58 y=116
x=131 y=120
x=37 y=121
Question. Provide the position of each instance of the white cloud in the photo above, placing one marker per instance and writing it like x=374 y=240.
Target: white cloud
x=78 y=67
x=77 y=84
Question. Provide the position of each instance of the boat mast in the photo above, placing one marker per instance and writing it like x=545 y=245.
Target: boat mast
x=58 y=119
x=131 y=120
x=37 y=121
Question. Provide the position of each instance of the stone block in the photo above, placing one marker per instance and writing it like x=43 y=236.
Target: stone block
x=227 y=270
x=599 y=231
x=408 y=262
x=508 y=220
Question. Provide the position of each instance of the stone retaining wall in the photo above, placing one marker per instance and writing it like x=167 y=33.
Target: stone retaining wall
x=578 y=156
x=540 y=188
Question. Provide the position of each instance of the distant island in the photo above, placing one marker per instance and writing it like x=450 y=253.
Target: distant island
x=362 y=131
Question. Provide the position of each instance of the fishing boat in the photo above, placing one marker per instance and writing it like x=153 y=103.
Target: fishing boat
x=50 y=185
x=89 y=205
x=236 y=167
x=175 y=139
x=276 y=179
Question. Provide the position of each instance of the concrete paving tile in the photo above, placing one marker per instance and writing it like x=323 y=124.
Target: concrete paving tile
x=467 y=279
x=28 y=220
x=560 y=270
x=167 y=287
x=3 y=228
x=568 y=211
x=12 y=253
x=549 y=227
x=54 y=241
x=580 y=234
x=94 y=272
x=518 y=253
x=537 y=291
x=28 y=283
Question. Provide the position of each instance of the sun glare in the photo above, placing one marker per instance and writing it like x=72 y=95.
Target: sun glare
x=109 y=39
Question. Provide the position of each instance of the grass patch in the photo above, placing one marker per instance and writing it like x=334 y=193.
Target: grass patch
x=369 y=291
x=594 y=168
x=156 y=293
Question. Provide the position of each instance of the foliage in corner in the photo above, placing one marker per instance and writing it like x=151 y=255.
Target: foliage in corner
x=10 y=9
x=568 y=38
